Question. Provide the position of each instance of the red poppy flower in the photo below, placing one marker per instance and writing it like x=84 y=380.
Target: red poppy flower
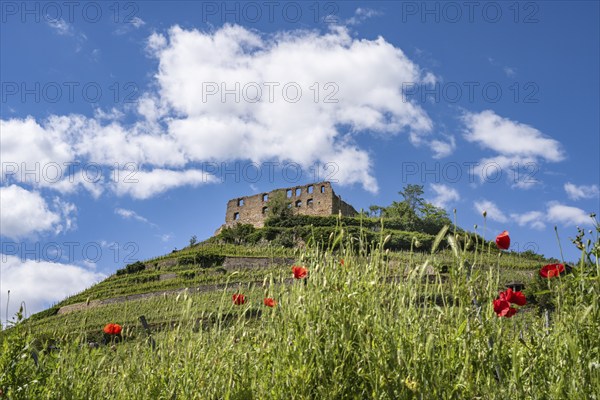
x=238 y=299
x=551 y=270
x=269 y=302
x=517 y=298
x=502 y=305
x=510 y=311
x=503 y=241
x=299 y=272
x=341 y=261
x=112 y=329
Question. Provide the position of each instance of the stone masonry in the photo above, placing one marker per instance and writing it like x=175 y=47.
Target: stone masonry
x=313 y=199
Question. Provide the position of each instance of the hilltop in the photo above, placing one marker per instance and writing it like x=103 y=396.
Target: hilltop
x=243 y=257
x=263 y=236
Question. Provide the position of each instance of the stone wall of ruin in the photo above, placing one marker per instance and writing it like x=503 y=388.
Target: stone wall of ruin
x=314 y=199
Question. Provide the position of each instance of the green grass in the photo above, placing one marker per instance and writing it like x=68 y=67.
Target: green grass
x=116 y=286
x=346 y=333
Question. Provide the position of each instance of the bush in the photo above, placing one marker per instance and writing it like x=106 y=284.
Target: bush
x=132 y=268
x=237 y=234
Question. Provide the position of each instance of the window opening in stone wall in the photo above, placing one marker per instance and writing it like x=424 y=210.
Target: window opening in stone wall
x=310 y=189
x=265 y=209
x=236 y=216
x=289 y=193
x=298 y=203
x=322 y=189
x=298 y=192
x=309 y=203
x=240 y=202
x=265 y=197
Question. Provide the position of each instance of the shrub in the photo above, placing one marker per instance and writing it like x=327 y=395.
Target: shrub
x=132 y=268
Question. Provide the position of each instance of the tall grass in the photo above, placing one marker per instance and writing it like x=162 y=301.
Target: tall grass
x=344 y=332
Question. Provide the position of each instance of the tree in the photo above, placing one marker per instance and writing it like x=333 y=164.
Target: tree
x=434 y=213
x=279 y=206
x=375 y=211
x=193 y=240
x=413 y=197
x=413 y=211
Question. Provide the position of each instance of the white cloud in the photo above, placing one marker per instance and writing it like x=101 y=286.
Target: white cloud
x=181 y=125
x=567 y=215
x=223 y=127
x=145 y=184
x=24 y=213
x=582 y=191
x=41 y=283
x=111 y=115
x=509 y=71
x=510 y=138
x=534 y=219
x=520 y=172
x=83 y=179
x=493 y=212
x=130 y=214
x=520 y=147
x=165 y=237
x=137 y=22
x=444 y=195
x=555 y=213
x=441 y=148
x=25 y=144
x=362 y=14
x=61 y=27
x=133 y=23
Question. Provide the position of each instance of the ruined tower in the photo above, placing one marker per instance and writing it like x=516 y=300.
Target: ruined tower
x=314 y=199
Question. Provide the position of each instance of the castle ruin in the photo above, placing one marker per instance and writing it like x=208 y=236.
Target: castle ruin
x=317 y=199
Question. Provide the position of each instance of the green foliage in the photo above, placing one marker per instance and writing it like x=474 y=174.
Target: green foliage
x=203 y=260
x=18 y=373
x=413 y=213
x=132 y=268
x=413 y=197
x=279 y=206
x=144 y=278
x=430 y=225
x=237 y=234
x=186 y=260
x=193 y=240
x=346 y=331
x=286 y=239
x=45 y=313
x=188 y=274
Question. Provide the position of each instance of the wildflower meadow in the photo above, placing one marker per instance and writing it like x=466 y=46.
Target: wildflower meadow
x=347 y=326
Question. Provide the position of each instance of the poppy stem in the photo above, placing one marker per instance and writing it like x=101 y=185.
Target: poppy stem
x=559 y=245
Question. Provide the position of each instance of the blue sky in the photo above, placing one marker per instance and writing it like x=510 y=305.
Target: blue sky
x=127 y=126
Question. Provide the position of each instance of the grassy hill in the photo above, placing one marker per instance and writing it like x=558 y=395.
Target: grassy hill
x=383 y=313
x=200 y=267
